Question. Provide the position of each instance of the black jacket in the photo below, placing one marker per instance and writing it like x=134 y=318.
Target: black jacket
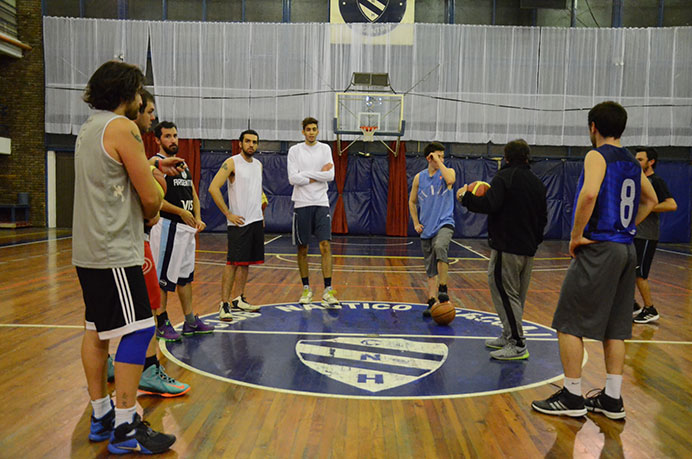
x=516 y=208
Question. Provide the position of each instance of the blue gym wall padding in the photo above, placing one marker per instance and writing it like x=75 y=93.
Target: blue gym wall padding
x=366 y=187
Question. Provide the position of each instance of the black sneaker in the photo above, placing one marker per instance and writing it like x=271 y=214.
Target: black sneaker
x=599 y=402
x=137 y=436
x=637 y=309
x=431 y=303
x=647 y=315
x=443 y=297
x=561 y=402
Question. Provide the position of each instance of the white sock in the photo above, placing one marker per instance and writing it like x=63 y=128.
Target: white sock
x=613 y=386
x=101 y=406
x=573 y=385
x=125 y=415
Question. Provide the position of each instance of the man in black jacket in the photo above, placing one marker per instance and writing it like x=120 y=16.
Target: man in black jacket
x=517 y=214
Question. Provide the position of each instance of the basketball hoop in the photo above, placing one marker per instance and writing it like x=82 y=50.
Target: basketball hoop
x=368 y=133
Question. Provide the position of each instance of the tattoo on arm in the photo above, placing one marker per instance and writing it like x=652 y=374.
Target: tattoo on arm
x=225 y=167
x=136 y=136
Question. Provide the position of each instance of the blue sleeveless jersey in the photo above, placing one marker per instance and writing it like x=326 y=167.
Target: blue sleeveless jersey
x=618 y=199
x=435 y=203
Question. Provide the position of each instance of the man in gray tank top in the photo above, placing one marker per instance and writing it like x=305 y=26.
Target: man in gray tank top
x=114 y=191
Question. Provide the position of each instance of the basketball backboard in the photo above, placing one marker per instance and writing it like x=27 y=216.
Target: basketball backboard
x=375 y=109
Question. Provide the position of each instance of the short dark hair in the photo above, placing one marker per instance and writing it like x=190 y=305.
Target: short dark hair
x=517 y=152
x=433 y=146
x=163 y=125
x=146 y=98
x=248 y=131
x=610 y=119
x=310 y=120
x=112 y=84
x=651 y=154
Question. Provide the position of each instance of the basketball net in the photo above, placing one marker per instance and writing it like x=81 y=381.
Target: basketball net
x=368 y=133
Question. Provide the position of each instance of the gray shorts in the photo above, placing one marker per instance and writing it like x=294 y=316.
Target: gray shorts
x=435 y=249
x=311 y=220
x=598 y=292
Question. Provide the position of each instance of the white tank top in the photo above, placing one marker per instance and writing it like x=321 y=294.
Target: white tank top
x=107 y=220
x=245 y=193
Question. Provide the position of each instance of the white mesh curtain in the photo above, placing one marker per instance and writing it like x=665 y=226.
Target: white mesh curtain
x=73 y=50
x=470 y=84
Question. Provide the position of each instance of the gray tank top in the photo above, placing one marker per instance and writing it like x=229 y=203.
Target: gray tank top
x=107 y=220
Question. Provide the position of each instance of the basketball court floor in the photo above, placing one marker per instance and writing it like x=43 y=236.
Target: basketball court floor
x=371 y=379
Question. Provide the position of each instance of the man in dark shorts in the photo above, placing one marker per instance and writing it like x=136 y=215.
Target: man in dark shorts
x=431 y=191
x=613 y=195
x=243 y=177
x=310 y=169
x=517 y=215
x=648 y=233
x=114 y=192
x=154 y=379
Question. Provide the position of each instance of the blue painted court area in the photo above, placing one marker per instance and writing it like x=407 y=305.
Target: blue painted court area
x=368 y=246
x=365 y=350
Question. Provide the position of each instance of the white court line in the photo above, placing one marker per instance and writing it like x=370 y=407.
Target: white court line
x=35 y=242
x=365 y=335
x=470 y=250
x=676 y=253
x=272 y=240
x=371 y=335
x=373 y=245
x=40 y=326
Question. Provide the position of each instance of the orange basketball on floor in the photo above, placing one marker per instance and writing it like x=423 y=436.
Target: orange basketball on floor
x=443 y=313
x=479 y=188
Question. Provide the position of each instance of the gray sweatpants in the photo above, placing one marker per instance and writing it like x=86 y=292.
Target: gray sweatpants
x=508 y=277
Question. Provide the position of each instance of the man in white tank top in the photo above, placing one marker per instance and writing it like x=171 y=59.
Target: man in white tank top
x=243 y=176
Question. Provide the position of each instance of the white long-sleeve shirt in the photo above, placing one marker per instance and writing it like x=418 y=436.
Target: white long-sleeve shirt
x=304 y=163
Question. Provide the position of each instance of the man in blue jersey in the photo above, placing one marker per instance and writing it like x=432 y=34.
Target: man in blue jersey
x=613 y=196
x=431 y=191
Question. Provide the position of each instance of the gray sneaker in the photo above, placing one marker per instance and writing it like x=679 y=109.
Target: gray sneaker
x=510 y=351
x=496 y=343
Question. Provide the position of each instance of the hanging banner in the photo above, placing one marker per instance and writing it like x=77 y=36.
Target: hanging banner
x=374 y=21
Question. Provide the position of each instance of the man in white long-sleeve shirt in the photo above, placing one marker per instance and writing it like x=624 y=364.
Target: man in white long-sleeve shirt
x=310 y=169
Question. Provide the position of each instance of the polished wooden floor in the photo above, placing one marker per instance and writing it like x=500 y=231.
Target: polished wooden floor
x=44 y=409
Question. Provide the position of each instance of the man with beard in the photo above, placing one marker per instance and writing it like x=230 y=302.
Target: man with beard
x=154 y=379
x=243 y=175
x=114 y=192
x=647 y=236
x=173 y=240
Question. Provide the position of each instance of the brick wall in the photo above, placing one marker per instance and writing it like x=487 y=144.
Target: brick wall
x=22 y=91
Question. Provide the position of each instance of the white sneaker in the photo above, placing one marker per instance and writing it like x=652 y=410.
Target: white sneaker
x=306 y=297
x=329 y=300
x=240 y=303
x=225 y=312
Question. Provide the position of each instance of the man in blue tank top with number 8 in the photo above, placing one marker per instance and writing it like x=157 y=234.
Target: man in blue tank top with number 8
x=613 y=195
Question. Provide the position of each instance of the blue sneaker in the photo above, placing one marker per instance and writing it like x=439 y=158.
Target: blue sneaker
x=199 y=327
x=138 y=437
x=101 y=428
x=155 y=381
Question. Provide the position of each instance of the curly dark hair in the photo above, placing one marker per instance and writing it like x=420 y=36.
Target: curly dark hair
x=112 y=84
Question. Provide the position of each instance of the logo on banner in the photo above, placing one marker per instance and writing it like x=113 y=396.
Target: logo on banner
x=372 y=364
x=381 y=20
x=372 y=10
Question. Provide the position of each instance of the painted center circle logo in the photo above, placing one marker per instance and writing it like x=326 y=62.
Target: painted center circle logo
x=365 y=349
